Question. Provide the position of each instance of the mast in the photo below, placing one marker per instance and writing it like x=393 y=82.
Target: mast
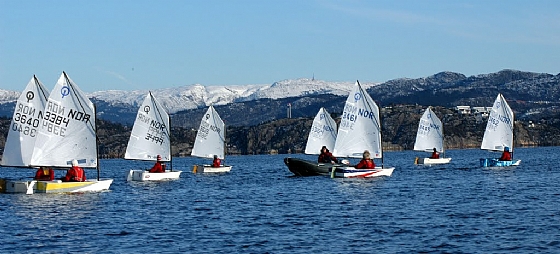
x=96 y=144
x=442 y=138
x=225 y=143
x=380 y=139
x=170 y=151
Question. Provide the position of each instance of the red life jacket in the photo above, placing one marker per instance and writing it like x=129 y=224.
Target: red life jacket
x=506 y=156
x=78 y=175
x=366 y=164
x=216 y=163
x=75 y=174
x=158 y=168
x=46 y=174
x=435 y=155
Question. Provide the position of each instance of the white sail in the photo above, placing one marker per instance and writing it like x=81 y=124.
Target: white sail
x=360 y=127
x=430 y=133
x=67 y=130
x=499 y=129
x=322 y=133
x=210 y=139
x=25 y=123
x=150 y=133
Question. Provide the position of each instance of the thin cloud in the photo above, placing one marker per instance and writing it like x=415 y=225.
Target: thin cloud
x=117 y=76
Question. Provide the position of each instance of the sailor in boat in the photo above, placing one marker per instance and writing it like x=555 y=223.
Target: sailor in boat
x=506 y=155
x=326 y=156
x=44 y=174
x=366 y=162
x=75 y=173
x=216 y=163
x=435 y=154
x=159 y=167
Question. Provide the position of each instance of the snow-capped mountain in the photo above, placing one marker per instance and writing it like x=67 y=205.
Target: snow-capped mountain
x=196 y=96
x=9 y=96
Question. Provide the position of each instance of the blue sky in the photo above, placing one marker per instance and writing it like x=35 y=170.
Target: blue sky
x=130 y=45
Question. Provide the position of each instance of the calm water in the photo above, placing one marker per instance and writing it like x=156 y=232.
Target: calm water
x=260 y=208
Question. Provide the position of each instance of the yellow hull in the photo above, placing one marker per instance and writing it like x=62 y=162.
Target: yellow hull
x=61 y=187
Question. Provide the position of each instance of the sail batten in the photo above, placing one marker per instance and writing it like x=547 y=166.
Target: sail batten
x=360 y=126
x=322 y=133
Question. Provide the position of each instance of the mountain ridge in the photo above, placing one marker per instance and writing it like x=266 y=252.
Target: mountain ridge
x=529 y=94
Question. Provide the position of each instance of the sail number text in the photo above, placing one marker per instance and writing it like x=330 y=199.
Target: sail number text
x=495 y=119
x=24 y=120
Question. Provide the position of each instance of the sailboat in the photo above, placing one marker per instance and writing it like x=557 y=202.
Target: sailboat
x=360 y=130
x=322 y=133
x=67 y=132
x=499 y=133
x=150 y=138
x=429 y=137
x=23 y=133
x=210 y=141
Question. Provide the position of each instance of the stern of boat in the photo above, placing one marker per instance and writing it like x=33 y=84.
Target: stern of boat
x=11 y=186
x=143 y=175
x=209 y=169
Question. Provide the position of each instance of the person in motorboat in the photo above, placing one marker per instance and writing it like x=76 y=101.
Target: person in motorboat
x=216 y=163
x=75 y=173
x=366 y=162
x=44 y=174
x=506 y=155
x=159 y=167
x=435 y=154
x=326 y=156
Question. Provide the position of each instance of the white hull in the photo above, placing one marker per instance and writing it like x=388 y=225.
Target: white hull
x=19 y=186
x=210 y=169
x=350 y=172
x=429 y=161
x=142 y=175
x=58 y=186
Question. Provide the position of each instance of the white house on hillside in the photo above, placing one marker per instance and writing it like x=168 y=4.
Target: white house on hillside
x=464 y=110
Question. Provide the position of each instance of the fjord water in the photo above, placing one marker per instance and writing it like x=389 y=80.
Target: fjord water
x=260 y=208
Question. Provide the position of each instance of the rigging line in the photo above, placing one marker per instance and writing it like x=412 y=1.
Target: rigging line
x=370 y=107
x=40 y=88
x=168 y=128
x=215 y=120
x=76 y=95
x=333 y=134
x=506 y=113
x=439 y=132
